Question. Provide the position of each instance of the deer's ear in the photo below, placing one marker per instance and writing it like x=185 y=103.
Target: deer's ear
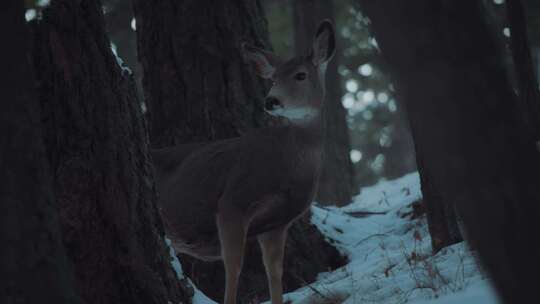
x=263 y=62
x=324 y=45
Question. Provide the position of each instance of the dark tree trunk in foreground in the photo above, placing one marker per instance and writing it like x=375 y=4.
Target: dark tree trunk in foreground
x=33 y=264
x=523 y=61
x=467 y=125
x=440 y=212
x=336 y=184
x=97 y=146
x=198 y=88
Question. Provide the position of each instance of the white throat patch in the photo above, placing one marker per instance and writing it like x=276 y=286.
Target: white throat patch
x=296 y=114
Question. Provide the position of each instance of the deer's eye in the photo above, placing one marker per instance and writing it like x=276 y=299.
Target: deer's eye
x=300 y=76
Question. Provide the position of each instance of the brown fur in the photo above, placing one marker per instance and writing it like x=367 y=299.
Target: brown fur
x=269 y=174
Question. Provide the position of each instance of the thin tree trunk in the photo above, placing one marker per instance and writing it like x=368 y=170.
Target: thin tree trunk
x=441 y=217
x=198 y=88
x=525 y=68
x=33 y=263
x=336 y=184
x=468 y=128
x=97 y=145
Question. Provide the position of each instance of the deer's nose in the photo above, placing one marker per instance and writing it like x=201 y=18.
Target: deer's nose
x=271 y=103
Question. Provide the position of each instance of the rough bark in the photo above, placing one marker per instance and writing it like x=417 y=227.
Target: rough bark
x=198 y=88
x=97 y=145
x=33 y=264
x=336 y=184
x=524 y=65
x=196 y=85
x=466 y=123
x=440 y=213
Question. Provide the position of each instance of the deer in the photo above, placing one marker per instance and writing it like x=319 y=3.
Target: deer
x=214 y=196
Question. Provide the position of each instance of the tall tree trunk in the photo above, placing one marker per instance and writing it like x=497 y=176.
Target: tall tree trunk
x=336 y=184
x=33 y=263
x=441 y=217
x=525 y=68
x=440 y=212
x=467 y=125
x=198 y=88
x=196 y=85
x=97 y=145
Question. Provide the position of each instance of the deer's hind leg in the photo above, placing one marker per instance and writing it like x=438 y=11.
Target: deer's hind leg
x=232 y=235
x=273 y=246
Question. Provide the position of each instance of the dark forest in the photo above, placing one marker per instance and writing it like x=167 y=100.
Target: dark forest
x=269 y=151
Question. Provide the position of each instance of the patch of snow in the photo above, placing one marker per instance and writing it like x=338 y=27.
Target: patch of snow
x=386 y=195
x=175 y=263
x=119 y=61
x=199 y=297
x=390 y=255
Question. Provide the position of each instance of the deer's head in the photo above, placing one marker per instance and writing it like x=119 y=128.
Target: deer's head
x=298 y=86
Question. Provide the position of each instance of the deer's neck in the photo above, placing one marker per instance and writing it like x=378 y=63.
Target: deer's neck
x=309 y=135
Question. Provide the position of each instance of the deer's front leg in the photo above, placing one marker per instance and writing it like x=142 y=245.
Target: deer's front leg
x=232 y=235
x=273 y=246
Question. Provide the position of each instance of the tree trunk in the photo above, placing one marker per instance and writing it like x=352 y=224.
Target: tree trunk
x=442 y=221
x=97 y=145
x=468 y=128
x=336 y=184
x=525 y=68
x=198 y=88
x=196 y=85
x=33 y=263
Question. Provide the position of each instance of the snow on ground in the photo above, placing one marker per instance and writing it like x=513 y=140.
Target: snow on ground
x=390 y=255
x=198 y=297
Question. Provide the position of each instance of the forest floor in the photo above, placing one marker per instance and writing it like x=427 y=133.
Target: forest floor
x=384 y=234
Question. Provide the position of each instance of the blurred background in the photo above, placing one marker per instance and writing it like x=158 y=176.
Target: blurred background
x=381 y=144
